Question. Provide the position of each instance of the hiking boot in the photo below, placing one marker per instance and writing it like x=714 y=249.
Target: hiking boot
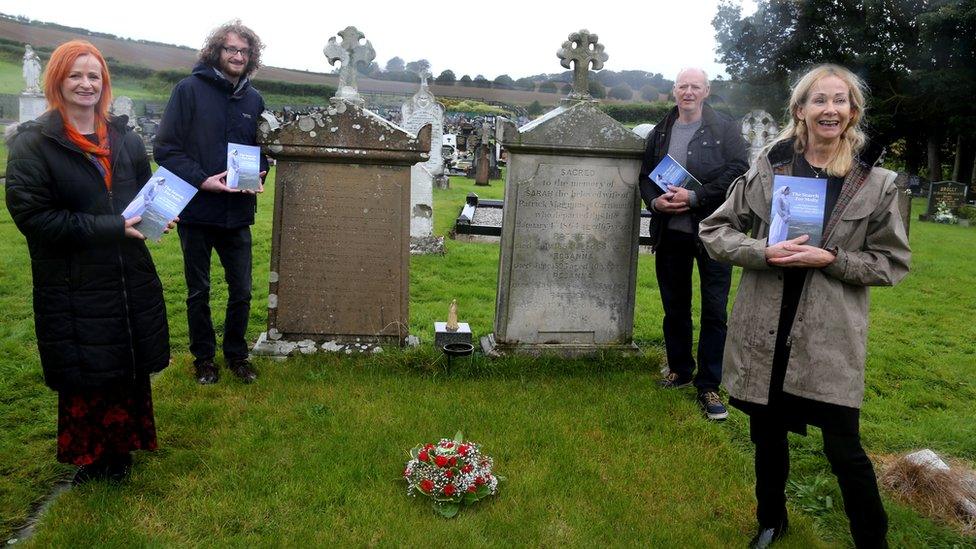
x=206 y=372
x=767 y=536
x=241 y=367
x=674 y=381
x=712 y=405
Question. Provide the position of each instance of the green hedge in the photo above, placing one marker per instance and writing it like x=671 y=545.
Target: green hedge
x=636 y=113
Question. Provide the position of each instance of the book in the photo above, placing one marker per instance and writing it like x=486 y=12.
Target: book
x=243 y=167
x=159 y=201
x=670 y=172
x=797 y=209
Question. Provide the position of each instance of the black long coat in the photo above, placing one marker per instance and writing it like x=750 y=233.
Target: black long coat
x=99 y=312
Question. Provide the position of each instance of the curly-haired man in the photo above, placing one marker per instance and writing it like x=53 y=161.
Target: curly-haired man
x=207 y=110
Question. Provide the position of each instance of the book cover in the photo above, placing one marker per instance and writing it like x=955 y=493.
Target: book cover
x=670 y=172
x=243 y=167
x=160 y=201
x=797 y=208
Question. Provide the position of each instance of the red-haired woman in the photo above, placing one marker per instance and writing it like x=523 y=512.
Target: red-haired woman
x=99 y=313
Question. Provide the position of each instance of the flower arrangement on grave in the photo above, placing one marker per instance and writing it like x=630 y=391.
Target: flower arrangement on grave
x=452 y=473
x=944 y=215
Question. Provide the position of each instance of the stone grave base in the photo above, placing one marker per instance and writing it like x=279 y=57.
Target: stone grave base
x=492 y=348
x=442 y=336
x=426 y=245
x=281 y=348
x=31 y=106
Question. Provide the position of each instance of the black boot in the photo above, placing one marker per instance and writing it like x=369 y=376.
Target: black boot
x=767 y=536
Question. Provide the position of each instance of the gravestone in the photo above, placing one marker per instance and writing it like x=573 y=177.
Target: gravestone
x=123 y=105
x=420 y=111
x=341 y=231
x=758 y=129
x=568 y=258
x=32 y=101
x=902 y=182
x=951 y=193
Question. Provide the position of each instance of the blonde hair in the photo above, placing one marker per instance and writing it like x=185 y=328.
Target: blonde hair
x=852 y=138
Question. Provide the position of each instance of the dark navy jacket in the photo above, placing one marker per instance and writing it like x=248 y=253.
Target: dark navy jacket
x=717 y=155
x=205 y=113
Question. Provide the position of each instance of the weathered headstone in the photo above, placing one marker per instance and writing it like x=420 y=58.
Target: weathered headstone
x=419 y=111
x=758 y=129
x=949 y=193
x=32 y=101
x=904 y=199
x=568 y=259
x=341 y=230
x=123 y=105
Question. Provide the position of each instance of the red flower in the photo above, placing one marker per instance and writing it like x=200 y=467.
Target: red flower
x=472 y=488
x=447 y=444
x=449 y=473
x=428 y=446
x=467 y=468
x=453 y=461
x=463 y=449
x=426 y=485
x=479 y=481
x=422 y=456
x=449 y=490
x=441 y=461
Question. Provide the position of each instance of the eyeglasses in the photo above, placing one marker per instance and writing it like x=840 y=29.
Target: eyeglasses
x=232 y=51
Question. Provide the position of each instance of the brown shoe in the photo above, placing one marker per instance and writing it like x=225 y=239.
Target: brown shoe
x=242 y=368
x=206 y=372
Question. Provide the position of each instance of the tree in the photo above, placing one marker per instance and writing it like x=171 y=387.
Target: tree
x=418 y=66
x=504 y=81
x=465 y=80
x=368 y=70
x=622 y=92
x=446 y=78
x=527 y=83
x=548 y=87
x=649 y=93
x=395 y=64
x=534 y=109
x=567 y=89
x=596 y=89
x=481 y=82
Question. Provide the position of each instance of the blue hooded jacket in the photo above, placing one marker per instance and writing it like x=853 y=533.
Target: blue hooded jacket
x=204 y=113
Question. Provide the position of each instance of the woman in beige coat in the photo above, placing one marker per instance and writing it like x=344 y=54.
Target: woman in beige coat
x=797 y=338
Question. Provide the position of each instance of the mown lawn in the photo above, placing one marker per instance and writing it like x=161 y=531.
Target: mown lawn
x=593 y=453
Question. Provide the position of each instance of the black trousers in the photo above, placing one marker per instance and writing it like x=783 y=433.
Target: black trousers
x=855 y=474
x=233 y=247
x=675 y=256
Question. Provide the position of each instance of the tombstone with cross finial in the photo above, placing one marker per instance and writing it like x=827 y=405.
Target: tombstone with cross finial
x=580 y=50
x=568 y=258
x=340 y=244
x=417 y=112
x=351 y=51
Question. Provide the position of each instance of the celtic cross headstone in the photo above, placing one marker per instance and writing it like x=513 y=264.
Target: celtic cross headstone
x=351 y=51
x=580 y=50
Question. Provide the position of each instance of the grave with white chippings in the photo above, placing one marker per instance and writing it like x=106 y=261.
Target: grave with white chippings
x=340 y=247
x=567 y=272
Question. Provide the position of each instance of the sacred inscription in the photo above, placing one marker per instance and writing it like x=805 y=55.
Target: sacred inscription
x=573 y=248
x=339 y=250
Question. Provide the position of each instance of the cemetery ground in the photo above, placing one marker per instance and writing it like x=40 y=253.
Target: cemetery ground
x=592 y=451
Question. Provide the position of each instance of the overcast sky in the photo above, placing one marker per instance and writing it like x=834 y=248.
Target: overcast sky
x=514 y=37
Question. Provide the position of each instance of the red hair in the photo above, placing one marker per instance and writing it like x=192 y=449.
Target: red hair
x=59 y=66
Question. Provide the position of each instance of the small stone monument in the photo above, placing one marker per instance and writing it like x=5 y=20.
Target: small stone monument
x=419 y=111
x=451 y=331
x=904 y=199
x=123 y=105
x=758 y=129
x=340 y=244
x=32 y=101
x=950 y=193
x=568 y=260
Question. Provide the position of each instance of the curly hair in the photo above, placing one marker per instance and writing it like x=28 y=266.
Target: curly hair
x=210 y=52
x=852 y=139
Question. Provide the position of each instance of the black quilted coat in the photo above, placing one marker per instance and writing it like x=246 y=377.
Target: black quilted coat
x=99 y=312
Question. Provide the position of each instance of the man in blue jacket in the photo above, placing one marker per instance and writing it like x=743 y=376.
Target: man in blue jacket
x=709 y=145
x=209 y=109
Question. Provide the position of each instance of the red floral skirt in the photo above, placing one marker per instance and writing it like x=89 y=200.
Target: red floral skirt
x=96 y=425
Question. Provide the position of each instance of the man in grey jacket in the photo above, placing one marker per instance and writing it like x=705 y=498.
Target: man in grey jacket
x=707 y=144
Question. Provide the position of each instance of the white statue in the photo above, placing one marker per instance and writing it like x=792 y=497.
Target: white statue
x=32 y=71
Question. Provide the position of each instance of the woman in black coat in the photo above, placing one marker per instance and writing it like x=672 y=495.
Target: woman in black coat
x=99 y=313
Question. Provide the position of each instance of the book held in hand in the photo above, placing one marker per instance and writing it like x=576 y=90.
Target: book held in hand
x=797 y=209
x=243 y=167
x=670 y=172
x=160 y=201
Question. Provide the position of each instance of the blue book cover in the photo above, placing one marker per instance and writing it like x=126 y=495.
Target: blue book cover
x=243 y=167
x=670 y=172
x=797 y=208
x=160 y=201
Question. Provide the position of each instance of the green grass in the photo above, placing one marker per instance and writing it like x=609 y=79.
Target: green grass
x=312 y=453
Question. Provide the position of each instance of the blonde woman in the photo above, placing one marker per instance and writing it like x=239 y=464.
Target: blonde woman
x=797 y=338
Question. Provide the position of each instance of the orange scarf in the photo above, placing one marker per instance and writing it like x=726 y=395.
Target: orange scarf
x=100 y=154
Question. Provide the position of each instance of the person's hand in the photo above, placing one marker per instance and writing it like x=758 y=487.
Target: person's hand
x=130 y=231
x=670 y=203
x=217 y=184
x=260 y=188
x=171 y=225
x=794 y=253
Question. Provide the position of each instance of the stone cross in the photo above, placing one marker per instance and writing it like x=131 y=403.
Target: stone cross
x=582 y=47
x=424 y=75
x=349 y=52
